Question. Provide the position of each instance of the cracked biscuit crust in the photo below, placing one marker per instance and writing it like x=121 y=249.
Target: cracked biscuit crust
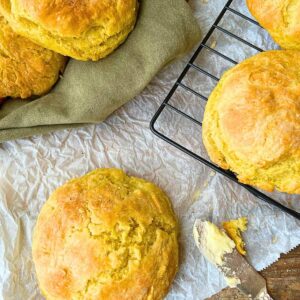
x=84 y=30
x=26 y=69
x=251 y=122
x=280 y=18
x=106 y=236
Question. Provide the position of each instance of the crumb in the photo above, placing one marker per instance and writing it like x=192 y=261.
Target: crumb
x=274 y=239
x=197 y=194
x=213 y=44
x=234 y=229
x=205 y=184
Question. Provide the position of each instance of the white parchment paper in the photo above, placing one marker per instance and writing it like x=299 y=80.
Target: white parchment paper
x=30 y=169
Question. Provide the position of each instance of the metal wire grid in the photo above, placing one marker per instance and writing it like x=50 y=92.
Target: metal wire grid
x=178 y=83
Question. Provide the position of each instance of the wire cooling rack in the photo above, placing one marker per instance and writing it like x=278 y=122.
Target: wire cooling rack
x=180 y=84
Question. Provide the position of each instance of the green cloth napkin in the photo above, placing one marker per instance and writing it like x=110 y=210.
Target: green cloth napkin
x=89 y=92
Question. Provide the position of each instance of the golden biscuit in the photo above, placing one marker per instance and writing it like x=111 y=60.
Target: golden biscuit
x=252 y=121
x=106 y=236
x=281 y=18
x=26 y=68
x=84 y=30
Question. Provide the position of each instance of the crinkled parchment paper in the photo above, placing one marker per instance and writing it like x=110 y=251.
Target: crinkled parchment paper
x=30 y=169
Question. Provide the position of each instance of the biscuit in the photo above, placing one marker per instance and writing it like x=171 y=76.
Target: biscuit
x=84 y=30
x=106 y=236
x=252 y=121
x=26 y=69
x=280 y=18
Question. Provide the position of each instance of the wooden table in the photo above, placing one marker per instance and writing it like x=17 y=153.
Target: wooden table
x=283 y=280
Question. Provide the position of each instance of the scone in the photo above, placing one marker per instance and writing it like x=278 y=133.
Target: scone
x=252 y=121
x=26 y=69
x=84 y=30
x=281 y=18
x=106 y=236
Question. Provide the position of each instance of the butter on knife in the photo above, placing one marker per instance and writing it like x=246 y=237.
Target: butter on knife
x=220 y=250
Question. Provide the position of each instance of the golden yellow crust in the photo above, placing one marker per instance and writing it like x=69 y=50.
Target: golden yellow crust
x=251 y=123
x=106 y=236
x=84 y=30
x=234 y=228
x=26 y=68
x=280 y=18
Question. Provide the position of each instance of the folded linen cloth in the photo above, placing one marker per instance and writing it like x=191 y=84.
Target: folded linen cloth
x=89 y=92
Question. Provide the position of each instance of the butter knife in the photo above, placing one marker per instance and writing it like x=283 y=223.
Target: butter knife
x=220 y=250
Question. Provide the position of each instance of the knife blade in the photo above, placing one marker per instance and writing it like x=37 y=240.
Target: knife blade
x=220 y=250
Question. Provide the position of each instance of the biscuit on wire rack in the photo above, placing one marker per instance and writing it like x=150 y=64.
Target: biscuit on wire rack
x=251 y=122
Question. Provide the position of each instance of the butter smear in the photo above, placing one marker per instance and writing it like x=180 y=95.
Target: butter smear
x=212 y=242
